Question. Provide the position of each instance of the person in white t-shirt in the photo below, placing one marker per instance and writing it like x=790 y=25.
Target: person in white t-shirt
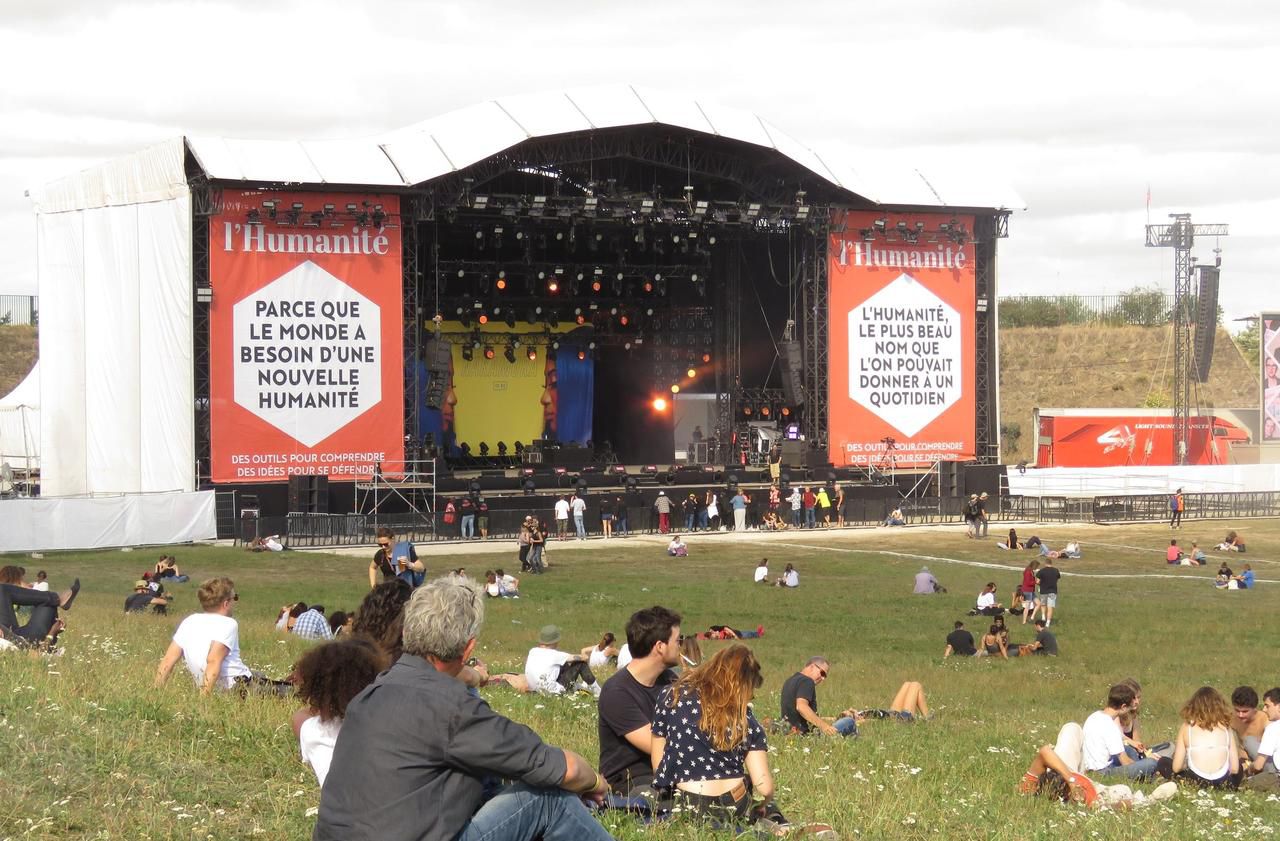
x=208 y=643
x=762 y=572
x=1103 y=748
x=329 y=676
x=579 y=507
x=1264 y=775
x=42 y=582
x=562 y=518
x=598 y=655
x=624 y=656
x=554 y=672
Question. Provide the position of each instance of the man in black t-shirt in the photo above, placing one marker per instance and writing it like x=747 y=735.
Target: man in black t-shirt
x=1048 y=576
x=143 y=598
x=1045 y=642
x=628 y=698
x=960 y=643
x=800 y=702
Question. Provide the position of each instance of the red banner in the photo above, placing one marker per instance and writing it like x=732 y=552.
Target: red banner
x=902 y=363
x=305 y=348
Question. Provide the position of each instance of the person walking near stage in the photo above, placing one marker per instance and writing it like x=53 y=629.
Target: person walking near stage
x=810 y=501
x=606 y=517
x=796 y=499
x=738 y=503
x=620 y=520
x=713 y=511
x=663 y=506
x=562 y=518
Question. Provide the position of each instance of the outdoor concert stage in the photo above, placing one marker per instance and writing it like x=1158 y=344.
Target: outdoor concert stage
x=606 y=277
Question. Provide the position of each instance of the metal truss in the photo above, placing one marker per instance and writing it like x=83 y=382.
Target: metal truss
x=816 y=345
x=987 y=230
x=202 y=391
x=728 y=353
x=413 y=327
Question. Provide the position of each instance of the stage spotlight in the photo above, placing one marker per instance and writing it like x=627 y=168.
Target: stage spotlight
x=555 y=344
x=510 y=353
x=553 y=286
x=581 y=319
x=483 y=319
x=467 y=353
x=747 y=410
x=510 y=319
x=484 y=451
x=520 y=452
x=786 y=411
x=764 y=411
x=648 y=286
x=582 y=354
x=691 y=373
x=623 y=320
x=595 y=286
x=706 y=357
x=675 y=389
x=659 y=404
x=532 y=353
x=502 y=448
x=488 y=351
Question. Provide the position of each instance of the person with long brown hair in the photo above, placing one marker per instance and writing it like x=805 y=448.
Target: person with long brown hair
x=1205 y=752
x=707 y=743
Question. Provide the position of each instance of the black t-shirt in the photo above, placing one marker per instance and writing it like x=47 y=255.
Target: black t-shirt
x=625 y=706
x=606 y=509
x=961 y=642
x=1048 y=578
x=391 y=570
x=799 y=685
x=1048 y=642
x=138 y=602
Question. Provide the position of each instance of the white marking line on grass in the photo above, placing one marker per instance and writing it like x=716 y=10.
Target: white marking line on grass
x=1006 y=567
x=1252 y=559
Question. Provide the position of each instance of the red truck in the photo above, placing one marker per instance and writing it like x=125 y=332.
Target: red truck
x=1118 y=437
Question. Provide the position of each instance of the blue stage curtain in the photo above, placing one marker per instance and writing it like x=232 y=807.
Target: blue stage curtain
x=575 y=382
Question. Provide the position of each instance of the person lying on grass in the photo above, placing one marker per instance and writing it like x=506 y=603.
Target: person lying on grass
x=1054 y=772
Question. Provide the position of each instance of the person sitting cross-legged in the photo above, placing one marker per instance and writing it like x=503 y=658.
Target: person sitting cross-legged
x=143 y=598
x=417 y=749
x=553 y=672
x=1103 y=749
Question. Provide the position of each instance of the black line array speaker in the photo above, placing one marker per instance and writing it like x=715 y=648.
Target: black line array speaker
x=950 y=479
x=308 y=494
x=436 y=357
x=792 y=372
x=1206 y=320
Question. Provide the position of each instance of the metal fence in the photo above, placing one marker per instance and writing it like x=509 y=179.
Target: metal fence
x=1142 y=308
x=19 y=309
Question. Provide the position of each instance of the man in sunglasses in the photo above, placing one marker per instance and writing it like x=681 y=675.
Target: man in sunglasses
x=208 y=643
x=396 y=559
x=800 y=703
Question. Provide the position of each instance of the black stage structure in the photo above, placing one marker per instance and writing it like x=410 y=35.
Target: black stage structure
x=715 y=251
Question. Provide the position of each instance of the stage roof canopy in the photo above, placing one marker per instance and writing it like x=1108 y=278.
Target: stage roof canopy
x=416 y=155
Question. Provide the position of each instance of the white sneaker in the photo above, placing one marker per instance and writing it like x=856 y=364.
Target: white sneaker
x=1164 y=791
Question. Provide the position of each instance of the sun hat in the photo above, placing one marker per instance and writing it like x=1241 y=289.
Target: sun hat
x=140 y=584
x=549 y=635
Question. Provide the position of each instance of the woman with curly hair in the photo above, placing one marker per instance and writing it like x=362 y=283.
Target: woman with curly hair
x=327 y=678
x=1206 y=753
x=380 y=616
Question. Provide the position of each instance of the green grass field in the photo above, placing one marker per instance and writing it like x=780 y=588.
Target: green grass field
x=91 y=750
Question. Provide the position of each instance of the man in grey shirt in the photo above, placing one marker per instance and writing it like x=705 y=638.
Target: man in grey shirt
x=415 y=747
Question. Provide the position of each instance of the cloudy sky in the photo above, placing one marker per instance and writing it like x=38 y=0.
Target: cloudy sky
x=1079 y=107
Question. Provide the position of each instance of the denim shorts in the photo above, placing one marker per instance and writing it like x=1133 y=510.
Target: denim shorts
x=1049 y=599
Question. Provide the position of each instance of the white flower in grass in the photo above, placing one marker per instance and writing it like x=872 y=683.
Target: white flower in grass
x=312 y=812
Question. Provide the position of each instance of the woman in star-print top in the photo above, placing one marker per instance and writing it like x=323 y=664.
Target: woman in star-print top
x=707 y=743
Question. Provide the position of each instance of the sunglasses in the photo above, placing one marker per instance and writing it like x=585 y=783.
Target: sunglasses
x=383 y=545
x=823 y=672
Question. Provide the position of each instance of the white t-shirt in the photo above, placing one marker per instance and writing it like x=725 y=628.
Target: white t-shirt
x=195 y=635
x=1102 y=740
x=507 y=584
x=791 y=579
x=42 y=586
x=274 y=544
x=542 y=667
x=562 y=509
x=494 y=589
x=1270 y=744
x=597 y=659
x=316 y=738
x=986 y=600
x=579 y=506
x=761 y=574
x=624 y=656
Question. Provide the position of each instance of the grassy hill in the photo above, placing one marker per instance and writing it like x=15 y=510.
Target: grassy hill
x=17 y=354
x=1100 y=367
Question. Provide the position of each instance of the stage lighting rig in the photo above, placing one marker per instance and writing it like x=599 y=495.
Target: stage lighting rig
x=484 y=449
x=510 y=353
x=488 y=352
x=467 y=353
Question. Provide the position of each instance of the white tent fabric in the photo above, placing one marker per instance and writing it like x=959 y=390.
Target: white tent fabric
x=46 y=525
x=114 y=268
x=1132 y=480
x=435 y=147
x=20 y=423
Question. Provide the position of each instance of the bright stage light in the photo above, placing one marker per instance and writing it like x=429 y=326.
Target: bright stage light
x=691 y=373
x=552 y=286
x=706 y=357
x=532 y=353
x=675 y=389
x=502 y=283
x=483 y=319
x=488 y=351
x=659 y=404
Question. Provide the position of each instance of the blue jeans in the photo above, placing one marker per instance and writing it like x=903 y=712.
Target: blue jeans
x=810 y=518
x=688 y=521
x=845 y=726
x=468 y=525
x=620 y=524
x=703 y=522
x=1141 y=770
x=579 y=526
x=521 y=813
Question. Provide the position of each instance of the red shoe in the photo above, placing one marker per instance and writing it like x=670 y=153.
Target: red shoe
x=760 y=630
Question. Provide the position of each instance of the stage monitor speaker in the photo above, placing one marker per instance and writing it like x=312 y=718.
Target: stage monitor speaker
x=793 y=453
x=436 y=359
x=950 y=479
x=308 y=494
x=792 y=372
x=1206 y=320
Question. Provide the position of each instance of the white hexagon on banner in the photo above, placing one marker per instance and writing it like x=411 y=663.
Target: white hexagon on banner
x=905 y=361
x=308 y=353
